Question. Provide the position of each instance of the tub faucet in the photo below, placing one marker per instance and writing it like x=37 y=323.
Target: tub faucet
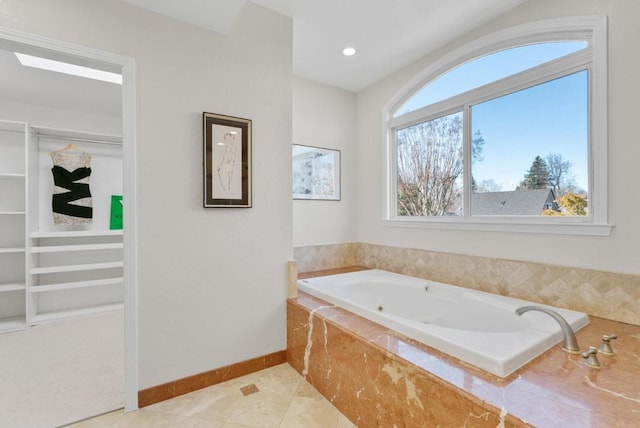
x=570 y=343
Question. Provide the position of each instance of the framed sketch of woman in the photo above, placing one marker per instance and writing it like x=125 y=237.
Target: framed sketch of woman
x=227 y=161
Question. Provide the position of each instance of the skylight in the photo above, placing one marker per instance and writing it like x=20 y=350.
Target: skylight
x=66 y=68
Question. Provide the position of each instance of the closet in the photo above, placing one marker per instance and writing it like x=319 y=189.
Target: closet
x=56 y=271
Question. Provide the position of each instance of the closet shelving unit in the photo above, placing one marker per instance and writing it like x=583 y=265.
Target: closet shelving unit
x=74 y=272
x=13 y=209
x=50 y=272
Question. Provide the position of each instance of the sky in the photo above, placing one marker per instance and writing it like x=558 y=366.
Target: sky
x=554 y=121
x=548 y=118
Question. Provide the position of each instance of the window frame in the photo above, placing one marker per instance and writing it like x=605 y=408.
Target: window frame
x=593 y=58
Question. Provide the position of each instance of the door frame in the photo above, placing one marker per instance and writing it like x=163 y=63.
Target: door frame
x=129 y=146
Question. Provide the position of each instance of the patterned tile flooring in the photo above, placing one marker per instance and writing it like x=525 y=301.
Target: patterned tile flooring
x=276 y=397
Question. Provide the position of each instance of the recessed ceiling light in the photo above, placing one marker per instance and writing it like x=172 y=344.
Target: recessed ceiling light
x=66 y=68
x=349 y=51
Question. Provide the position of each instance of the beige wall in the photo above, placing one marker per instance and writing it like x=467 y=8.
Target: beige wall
x=324 y=116
x=617 y=253
x=212 y=283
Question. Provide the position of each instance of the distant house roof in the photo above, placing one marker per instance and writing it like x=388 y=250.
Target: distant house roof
x=517 y=202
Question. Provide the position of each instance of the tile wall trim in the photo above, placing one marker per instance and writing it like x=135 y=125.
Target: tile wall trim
x=320 y=257
x=156 y=394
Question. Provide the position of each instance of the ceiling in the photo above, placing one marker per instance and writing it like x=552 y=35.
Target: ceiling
x=388 y=35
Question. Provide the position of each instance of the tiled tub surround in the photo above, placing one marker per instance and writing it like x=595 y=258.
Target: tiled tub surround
x=604 y=294
x=376 y=377
x=320 y=257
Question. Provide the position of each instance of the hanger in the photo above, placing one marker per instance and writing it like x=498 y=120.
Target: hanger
x=70 y=149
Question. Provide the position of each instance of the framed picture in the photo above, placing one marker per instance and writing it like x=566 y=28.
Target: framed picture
x=316 y=173
x=227 y=161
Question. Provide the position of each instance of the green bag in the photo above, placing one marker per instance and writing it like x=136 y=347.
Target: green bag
x=116 y=212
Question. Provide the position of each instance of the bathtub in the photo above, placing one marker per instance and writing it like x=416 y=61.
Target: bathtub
x=476 y=327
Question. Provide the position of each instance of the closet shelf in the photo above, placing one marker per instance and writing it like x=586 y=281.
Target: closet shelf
x=12 y=213
x=75 y=268
x=76 y=233
x=54 y=316
x=11 y=175
x=12 y=324
x=70 y=248
x=12 y=287
x=12 y=250
x=78 y=284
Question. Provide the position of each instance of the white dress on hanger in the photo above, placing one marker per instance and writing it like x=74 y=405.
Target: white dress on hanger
x=71 y=202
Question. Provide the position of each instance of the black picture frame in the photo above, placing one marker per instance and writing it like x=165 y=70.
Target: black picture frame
x=226 y=161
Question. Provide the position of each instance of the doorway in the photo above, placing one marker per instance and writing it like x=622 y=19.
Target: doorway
x=52 y=111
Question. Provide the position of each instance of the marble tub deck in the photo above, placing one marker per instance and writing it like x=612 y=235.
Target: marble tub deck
x=377 y=377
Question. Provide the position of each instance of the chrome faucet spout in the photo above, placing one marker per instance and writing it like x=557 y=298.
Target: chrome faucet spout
x=570 y=343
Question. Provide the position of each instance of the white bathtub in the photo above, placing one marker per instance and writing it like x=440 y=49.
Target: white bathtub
x=479 y=328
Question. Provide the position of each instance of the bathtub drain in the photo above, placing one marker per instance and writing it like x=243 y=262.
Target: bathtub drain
x=380 y=308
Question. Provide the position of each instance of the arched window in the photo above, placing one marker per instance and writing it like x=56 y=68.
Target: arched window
x=507 y=133
x=488 y=69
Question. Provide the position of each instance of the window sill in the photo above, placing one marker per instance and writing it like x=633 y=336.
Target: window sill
x=588 y=229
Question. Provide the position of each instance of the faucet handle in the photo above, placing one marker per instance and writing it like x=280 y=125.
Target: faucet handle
x=591 y=355
x=605 y=346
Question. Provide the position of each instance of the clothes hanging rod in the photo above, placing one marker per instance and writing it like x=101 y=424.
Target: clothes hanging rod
x=80 y=140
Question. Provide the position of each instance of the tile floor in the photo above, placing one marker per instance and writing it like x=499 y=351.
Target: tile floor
x=275 y=397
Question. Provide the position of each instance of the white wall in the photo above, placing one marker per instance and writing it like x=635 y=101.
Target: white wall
x=618 y=253
x=60 y=119
x=324 y=116
x=212 y=286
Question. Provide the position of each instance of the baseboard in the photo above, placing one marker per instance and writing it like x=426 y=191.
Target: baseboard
x=163 y=392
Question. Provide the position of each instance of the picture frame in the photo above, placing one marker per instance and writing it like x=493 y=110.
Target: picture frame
x=226 y=161
x=315 y=173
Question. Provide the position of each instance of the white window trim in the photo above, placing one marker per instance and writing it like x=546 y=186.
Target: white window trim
x=592 y=28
